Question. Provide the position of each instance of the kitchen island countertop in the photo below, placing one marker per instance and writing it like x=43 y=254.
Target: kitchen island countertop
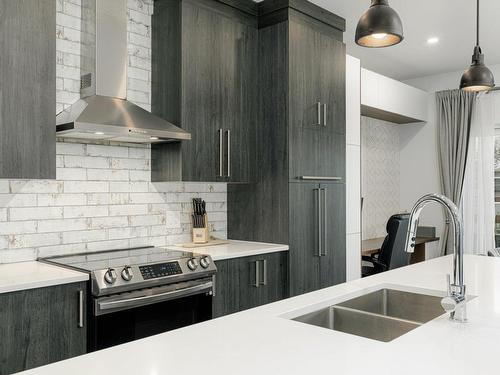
x=264 y=341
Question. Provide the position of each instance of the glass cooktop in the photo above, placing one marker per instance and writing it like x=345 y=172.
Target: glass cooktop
x=118 y=258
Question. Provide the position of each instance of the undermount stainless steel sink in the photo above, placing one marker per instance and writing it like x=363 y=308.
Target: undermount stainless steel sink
x=381 y=315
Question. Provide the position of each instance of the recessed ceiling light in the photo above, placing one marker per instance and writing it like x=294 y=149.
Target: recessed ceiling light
x=99 y=133
x=433 y=40
x=153 y=138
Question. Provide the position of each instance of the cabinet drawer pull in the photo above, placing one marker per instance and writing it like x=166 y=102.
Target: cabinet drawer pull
x=324 y=115
x=320 y=178
x=318 y=208
x=80 y=308
x=318 y=104
x=264 y=272
x=221 y=153
x=257 y=282
x=228 y=153
x=325 y=225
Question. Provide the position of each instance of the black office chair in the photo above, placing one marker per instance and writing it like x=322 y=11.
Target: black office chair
x=392 y=253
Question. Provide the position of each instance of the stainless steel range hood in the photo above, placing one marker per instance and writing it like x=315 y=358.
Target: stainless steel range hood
x=103 y=113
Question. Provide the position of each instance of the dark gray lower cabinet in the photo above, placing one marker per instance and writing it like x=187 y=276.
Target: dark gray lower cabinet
x=43 y=325
x=243 y=283
x=317 y=236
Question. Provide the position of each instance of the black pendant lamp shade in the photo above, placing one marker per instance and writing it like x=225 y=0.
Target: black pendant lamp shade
x=379 y=26
x=478 y=77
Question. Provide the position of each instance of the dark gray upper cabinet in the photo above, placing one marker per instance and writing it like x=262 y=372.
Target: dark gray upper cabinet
x=41 y=326
x=243 y=283
x=204 y=70
x=27 y=89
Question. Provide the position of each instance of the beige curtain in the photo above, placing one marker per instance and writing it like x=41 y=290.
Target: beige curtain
x=454 y=115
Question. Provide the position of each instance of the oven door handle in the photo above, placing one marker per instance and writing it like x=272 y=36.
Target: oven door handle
x=103 y=307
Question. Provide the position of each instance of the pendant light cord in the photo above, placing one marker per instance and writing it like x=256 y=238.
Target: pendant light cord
x=477 y=24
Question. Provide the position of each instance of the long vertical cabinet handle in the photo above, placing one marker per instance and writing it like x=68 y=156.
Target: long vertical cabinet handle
x=318 y=208
x=228 y=153
x=318 y=104
x=325 y=224
x=80 y=308
x=264 y=272
x=324 y=115
x=257 y=278
x=221 y=153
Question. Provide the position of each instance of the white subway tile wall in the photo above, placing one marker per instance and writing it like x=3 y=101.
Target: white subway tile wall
x=102 y=197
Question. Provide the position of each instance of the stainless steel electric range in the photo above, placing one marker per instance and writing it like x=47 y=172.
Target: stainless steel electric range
x=135 y=293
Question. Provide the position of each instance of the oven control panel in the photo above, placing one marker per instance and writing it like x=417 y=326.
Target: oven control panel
x=154 y=271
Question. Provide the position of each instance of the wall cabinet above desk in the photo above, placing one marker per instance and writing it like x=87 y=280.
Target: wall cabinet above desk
x=386 y=99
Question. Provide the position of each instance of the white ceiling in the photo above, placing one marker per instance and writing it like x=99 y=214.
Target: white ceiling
x=452 y=21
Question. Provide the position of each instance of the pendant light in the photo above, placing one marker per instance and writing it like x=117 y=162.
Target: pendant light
x=379 y=26
x=478 y=77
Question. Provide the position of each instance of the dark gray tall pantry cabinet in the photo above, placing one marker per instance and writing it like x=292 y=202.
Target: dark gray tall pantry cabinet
x=299 y=194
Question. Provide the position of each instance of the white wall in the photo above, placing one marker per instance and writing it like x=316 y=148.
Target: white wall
x=353 y=169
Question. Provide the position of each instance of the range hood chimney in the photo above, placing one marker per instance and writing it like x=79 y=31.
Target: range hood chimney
x=103 y=113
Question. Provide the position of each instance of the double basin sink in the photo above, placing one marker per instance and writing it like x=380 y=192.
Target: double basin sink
x=382 y=315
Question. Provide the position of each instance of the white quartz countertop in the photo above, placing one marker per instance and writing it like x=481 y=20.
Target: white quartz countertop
x=235 y=249
x=264 y=341
x=29 y=275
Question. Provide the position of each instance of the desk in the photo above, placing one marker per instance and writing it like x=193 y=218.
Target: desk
x=373 y=245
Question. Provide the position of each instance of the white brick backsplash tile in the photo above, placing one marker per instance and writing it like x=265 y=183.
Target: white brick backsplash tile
x=85 y=211
x=71 y=174
x=68 y=34
x=18 y=200
x=3 y=214
x=125 y=187
x=143 y=41
x=138 y=96
x=140 y=241
x=36 y=186
x=4 y=243
x=83 y=236
x=71 y=21
x=35 y=213
x=62 y=199
x=64 y=71
x=107 y=175
x=128 y=209
x=108 y=245
x=167 y=187
x=139 y=17
x=47 y=251
x=59 y=84
x=63 y=148
x=108 y=222
x=139 y=85
x=71 y=161
x=72 y=85
x=140 y=175
x=128 y=232
x=18 y=241
x=98 y=198
x=46 y=226
x=59 y=161
x=120 y=198
x=17 y=227
x=146 y=198
x=107 y=151
x=138 y=221
x=17 y=255
x=72 y=10
x=158 y=241
x=86 y=187
x=173 y=219
x=137 y=73
x=130 y=164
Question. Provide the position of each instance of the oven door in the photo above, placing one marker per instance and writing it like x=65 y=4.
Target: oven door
x=133 y=315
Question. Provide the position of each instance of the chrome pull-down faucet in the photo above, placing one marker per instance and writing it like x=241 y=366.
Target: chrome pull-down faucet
x=455 y=299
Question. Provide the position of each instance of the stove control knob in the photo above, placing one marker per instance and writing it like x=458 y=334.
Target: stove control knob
x=127 y=273
x=205 y=262
x=192 y=264
x=110 y=276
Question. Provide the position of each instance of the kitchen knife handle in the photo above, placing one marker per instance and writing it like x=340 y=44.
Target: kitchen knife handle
x=221 y=153
x=264 y=272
